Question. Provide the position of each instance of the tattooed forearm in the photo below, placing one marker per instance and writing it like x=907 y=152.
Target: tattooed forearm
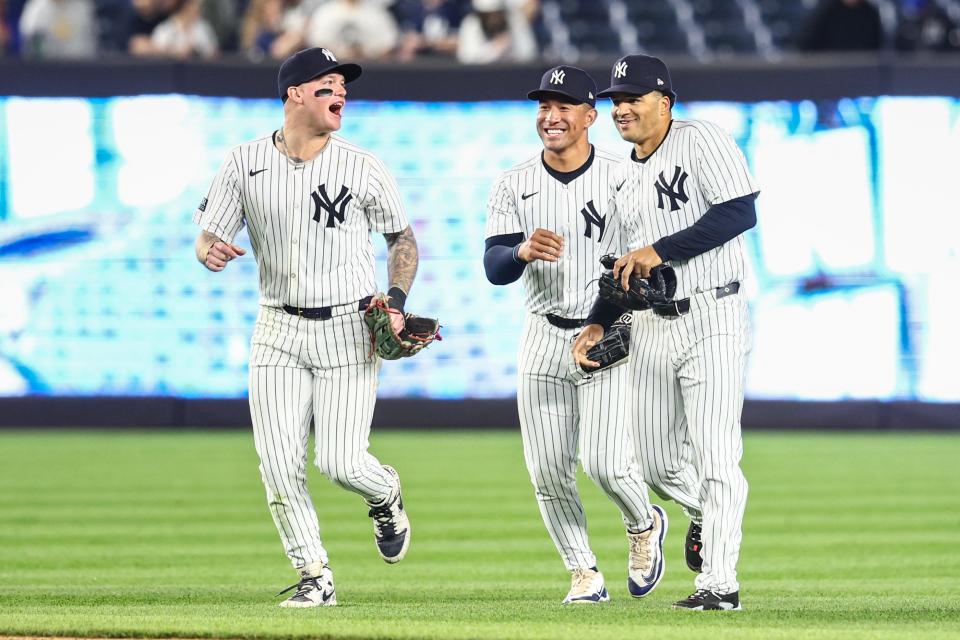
x=402 y=258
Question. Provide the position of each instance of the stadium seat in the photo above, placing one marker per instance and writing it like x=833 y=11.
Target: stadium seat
x=657 y=27
x=594 y=38
x=784 y=18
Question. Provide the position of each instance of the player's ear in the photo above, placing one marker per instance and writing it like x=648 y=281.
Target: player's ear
x=591 y=115
x=293 y=93
x=664 y=104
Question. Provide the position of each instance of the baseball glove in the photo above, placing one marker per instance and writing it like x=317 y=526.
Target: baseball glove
x=644 y=293
x=417 y=332
x=613 y=347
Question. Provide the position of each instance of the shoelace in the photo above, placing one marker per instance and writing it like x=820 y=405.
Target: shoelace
x=700 y=594
x=383 y=517
x=581 y=580
x=303 y=587
x=640 y=557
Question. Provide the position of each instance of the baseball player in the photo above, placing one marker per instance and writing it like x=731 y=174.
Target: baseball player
x=310 y=200
x=546 y=223
x=685 y=196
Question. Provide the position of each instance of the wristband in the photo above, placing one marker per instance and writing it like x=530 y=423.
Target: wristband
x=398 y=298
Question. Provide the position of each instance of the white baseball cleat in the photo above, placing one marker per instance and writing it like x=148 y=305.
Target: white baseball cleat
x=586 y=587
x=646 y=563
x=312 y=591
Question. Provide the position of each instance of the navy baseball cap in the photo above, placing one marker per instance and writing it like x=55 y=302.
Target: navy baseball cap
x=566 y=83
x=308 y=64
x=639 y=75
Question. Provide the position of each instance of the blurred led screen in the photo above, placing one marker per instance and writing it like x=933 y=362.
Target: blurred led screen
x=855 y=259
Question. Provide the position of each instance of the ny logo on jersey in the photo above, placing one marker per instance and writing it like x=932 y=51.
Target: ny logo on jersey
x=336 y=209
x=673 y=189
x=620 y=71
x=557 y=76
x=591 y=217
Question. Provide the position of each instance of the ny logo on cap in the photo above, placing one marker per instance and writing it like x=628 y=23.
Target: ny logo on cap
x=329 y=56
x=659 y=82
x=620 y=70
x=557 y=77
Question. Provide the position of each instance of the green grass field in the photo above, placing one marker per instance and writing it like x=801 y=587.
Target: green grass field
x=168 y=535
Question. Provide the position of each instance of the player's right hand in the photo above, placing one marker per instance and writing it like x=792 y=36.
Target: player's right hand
x=542 y=245
x=220 y=254
x=591 y=334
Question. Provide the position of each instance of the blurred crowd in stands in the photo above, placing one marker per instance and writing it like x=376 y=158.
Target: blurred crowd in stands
x=471 y=31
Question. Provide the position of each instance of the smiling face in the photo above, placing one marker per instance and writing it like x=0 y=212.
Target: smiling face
x=640 y=118
x=325 y=110
x=561 y=125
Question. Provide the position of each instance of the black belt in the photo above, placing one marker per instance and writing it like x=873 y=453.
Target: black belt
x=565 y=323
x=679 y=307
x=324 y=313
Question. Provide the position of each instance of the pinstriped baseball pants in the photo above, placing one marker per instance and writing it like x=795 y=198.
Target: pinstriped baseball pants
x=689 y=375
x=303 y=370
x=558 y=417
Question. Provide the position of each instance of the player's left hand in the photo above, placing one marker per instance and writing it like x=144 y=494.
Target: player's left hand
x=639 y=261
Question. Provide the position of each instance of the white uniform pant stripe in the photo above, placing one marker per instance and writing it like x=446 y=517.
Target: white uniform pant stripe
x=660 y=426
x=606 y=445
x=321 y=370
x=712 y=380
x=554 y=414
x=692 y=426
x=280 y=401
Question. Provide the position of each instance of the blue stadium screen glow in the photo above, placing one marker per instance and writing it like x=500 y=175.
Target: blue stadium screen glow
x=855 y=257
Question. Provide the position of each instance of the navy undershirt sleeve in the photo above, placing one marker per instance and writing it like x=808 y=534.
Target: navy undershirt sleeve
x=603 y=313
x=500 y=260
x=718 y=225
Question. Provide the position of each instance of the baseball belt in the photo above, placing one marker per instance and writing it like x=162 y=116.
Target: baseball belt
x=677 y=308
x=325 y=313
x=565 y=323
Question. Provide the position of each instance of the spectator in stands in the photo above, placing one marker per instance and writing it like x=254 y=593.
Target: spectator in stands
x=274 y=28
x=223 y=16
x=843 y=25
x=146 y=15
x=357 y=29
x=185 y=34
x=58 y=29
x=496 y=31
x=923 y=25
x=7 y=40
x=429 y=26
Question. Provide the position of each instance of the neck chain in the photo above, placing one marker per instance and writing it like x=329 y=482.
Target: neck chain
x=282 y=139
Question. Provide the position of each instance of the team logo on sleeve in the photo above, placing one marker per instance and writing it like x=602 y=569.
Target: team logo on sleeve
x=593 y=219
x=672 y=189
x=336 y=209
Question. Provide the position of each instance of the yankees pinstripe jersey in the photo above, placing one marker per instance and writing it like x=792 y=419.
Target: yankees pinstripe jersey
x=309 y=222
x=527 y=197
x=696 y=166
